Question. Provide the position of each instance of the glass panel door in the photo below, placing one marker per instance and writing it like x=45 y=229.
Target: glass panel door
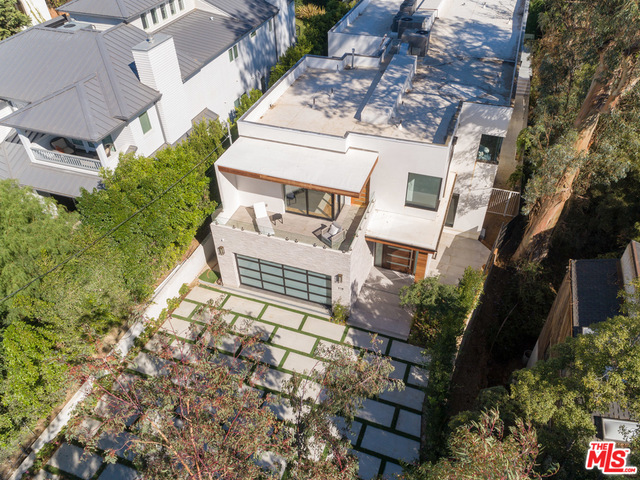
x=320 y=204
x=311 y=203
x=295 y=199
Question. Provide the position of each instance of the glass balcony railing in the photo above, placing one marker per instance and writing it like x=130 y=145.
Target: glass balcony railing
x=297 y=228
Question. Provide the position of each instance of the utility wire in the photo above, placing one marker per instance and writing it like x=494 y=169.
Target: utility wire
x=102 y=237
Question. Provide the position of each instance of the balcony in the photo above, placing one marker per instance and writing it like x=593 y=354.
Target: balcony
x=66 y=159
x=299 y=228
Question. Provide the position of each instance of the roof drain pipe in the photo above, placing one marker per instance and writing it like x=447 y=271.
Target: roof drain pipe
x=353 y=57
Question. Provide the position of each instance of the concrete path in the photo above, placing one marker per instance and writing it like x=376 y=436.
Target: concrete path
x=455 y=254
x=377 y=308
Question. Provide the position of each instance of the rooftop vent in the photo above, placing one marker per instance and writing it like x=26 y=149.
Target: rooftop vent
x=74 y=25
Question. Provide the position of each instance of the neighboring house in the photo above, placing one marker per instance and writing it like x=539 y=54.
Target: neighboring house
x=38 y=10
x=112 y=76
x=384 y=159
x=590 y=293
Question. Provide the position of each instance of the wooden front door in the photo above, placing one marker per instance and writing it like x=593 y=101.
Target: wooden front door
x=396 y=258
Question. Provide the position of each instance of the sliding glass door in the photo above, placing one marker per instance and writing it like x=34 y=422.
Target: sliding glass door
x=312 y=203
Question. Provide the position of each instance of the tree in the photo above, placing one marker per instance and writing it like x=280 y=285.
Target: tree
x=334 y=388
x=160 y=233
x=11 y=19
x=199 y=416
x=33 y=229
x=197 y=419
x=585 y=374
x=602 y=38
x=480 y=449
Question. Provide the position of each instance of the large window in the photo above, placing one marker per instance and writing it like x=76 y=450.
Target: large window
x=489 y=149
x=283 y=279
x=145 y=122
x=423 y=191
x=312 y=203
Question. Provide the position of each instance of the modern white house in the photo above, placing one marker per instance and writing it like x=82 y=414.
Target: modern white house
x=380 y=158
x=111 y=76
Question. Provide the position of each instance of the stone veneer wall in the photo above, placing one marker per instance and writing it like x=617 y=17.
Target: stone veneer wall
x=354 y=266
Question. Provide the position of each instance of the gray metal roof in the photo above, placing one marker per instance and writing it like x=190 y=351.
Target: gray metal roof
x=129 y=9
x=595 y=284
x=78 y=84
x=119 y=9
x=201 y=36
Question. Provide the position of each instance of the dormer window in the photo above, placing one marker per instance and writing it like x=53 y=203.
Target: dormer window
x=160 y=14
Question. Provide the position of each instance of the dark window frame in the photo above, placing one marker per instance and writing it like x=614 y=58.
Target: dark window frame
x=455 y=198
x=409 y=203
x=253 y=261
x=493 y=145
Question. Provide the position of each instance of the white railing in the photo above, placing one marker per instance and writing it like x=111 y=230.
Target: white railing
x=504 y=202
x=65 y=159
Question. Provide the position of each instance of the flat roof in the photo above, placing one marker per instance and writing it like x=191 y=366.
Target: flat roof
x=328 y=101
x=375 y=20
x=471 y=58
x=334 y=172
x=403 y=229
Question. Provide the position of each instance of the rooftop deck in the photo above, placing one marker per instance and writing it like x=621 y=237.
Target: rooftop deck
x=471 y=58
x=375 y=19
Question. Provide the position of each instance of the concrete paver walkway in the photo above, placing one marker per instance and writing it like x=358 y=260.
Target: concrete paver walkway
x=386 y=430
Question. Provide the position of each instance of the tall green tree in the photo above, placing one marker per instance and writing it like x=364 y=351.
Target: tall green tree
x=484 y=449
x=160 y=232
x=598 y=41
x=12 y=20
x=585 y=374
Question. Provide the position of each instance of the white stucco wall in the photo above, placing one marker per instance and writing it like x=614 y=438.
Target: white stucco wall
x=252 y=190
x=475 y=179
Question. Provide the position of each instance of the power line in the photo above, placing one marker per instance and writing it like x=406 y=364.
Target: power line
x=102 y=237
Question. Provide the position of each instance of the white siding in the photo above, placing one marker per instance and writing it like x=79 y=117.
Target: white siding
x=151 y=141
x=221 y=82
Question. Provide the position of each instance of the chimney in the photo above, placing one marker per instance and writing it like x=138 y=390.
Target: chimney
x=157 y=64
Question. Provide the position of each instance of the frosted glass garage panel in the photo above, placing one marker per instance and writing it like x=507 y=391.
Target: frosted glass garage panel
x=284 y=279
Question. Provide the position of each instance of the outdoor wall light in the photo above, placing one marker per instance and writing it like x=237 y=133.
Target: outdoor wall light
x=220 y=250
x=339 y=278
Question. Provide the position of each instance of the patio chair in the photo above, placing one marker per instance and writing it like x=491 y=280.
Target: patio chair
x=332 y=235
x=62 y=145
x=262 y=219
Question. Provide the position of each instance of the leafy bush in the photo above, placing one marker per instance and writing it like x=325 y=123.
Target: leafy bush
x=436 y=306
x=340 y=313
x=155 y=238
x=439 y=315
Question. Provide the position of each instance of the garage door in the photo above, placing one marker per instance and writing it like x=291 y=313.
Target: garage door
x=283 y=279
